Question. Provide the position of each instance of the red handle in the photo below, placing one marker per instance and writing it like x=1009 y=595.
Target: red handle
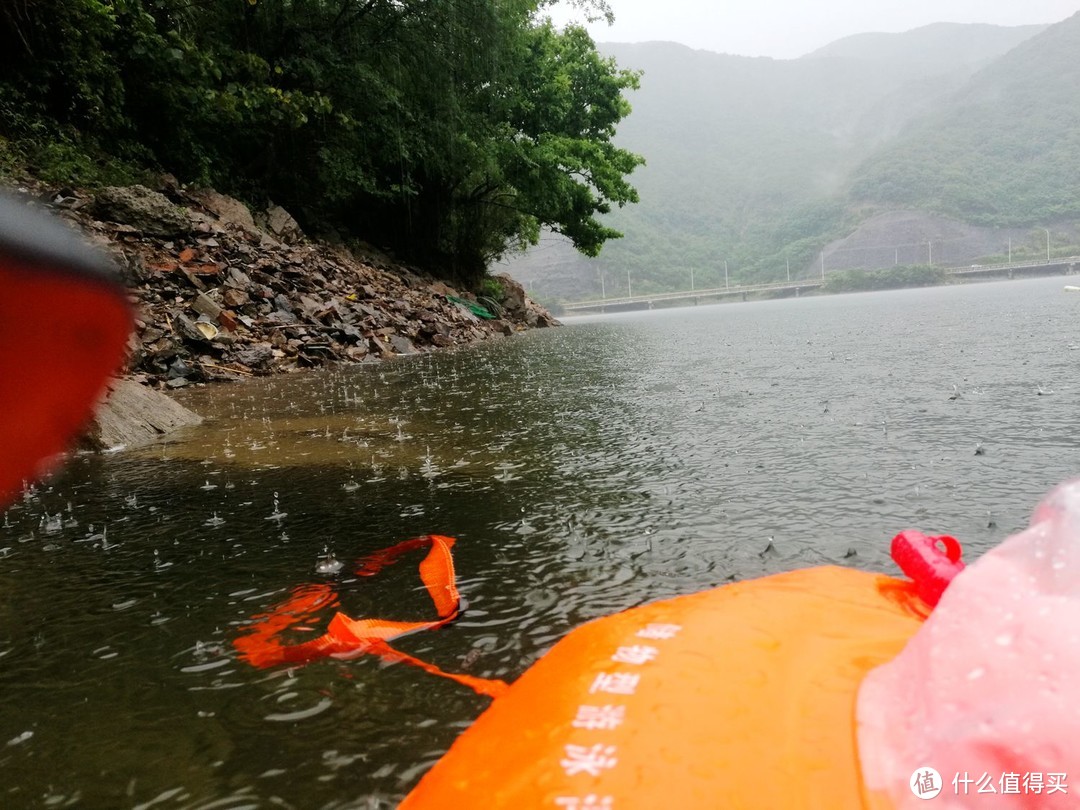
x=931 y=567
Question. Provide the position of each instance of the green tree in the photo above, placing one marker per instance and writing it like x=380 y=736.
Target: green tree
x=447 y=130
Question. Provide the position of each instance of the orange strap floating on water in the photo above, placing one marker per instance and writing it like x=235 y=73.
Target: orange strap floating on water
x=260 y=644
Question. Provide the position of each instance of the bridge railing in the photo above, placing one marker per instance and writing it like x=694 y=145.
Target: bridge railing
x=705 y=293
x=713 y=292
x=982 y=268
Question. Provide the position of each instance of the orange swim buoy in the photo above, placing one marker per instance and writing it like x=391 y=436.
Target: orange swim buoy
x=738 y=697
x=260 y=643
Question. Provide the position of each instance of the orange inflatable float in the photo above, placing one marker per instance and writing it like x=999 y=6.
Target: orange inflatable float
x=738 y=697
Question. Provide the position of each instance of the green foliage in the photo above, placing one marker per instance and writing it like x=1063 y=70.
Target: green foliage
x=62 y=160
x=889 y=279
x=1004 y=151
x=491 y=288
x=750 y=161
x=448 y=130
x=561 y=159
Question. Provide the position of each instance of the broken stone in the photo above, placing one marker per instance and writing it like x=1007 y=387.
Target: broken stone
x=282 y=225
x=280 y=316
x=366 y=310
x=228 y=320
x=256 y=355
x=544 y=319
x=380 y=347
x=178 y=368
x=441 y=288
x=234 y=298
x=161 y=350
x=147 y=211
x=226 y=209
x=195 y=281
x=228 y=290
x=205 y=305
x=150 y=334
x=513 y=296
x=237 y=279
x=184 y=326
x=402 y=345
x=133 y=415
x=351 y=334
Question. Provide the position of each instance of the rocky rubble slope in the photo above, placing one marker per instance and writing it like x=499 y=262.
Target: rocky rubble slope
x=224 y=295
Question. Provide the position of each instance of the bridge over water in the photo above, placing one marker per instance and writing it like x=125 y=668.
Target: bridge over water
x=1070 y=264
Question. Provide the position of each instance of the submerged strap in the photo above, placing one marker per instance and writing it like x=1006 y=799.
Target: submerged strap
x=347 y=638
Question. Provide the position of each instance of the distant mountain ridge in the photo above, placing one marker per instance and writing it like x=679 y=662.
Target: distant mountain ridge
x=931 y=49
x=1006 y=149
x=751 y=160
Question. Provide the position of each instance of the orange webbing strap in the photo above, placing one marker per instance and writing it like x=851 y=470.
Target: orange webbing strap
x=341 y=631
x=905 y=594
x=345 y=637
x=259 y=645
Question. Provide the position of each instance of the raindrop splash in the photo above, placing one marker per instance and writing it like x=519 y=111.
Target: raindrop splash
x=277 y=514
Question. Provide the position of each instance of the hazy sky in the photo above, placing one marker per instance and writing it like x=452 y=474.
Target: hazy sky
x=785 y=29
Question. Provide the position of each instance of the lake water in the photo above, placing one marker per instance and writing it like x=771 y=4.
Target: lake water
x=583 y=470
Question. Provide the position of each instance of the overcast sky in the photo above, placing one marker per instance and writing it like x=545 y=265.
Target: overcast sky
x=786 y=29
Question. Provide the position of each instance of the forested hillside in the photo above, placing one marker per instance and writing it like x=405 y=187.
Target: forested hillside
x=750 y=160
x=1004 y=151
x=446 y=130
x=453 y=131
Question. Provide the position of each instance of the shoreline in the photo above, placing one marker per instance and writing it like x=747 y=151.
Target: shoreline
x=221 y=294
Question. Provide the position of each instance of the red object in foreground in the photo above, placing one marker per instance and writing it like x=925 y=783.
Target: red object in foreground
x=64 y=325
x=261 y=646
x=930 y=566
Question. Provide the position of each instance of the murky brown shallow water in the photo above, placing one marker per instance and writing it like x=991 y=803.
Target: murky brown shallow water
x=584 y=470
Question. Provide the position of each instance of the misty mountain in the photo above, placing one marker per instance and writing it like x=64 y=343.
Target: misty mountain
x=1003 y=151
x=749 y=160
x=931 y=50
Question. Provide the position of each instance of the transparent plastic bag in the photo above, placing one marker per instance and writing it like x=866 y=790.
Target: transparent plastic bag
x=987 y=693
